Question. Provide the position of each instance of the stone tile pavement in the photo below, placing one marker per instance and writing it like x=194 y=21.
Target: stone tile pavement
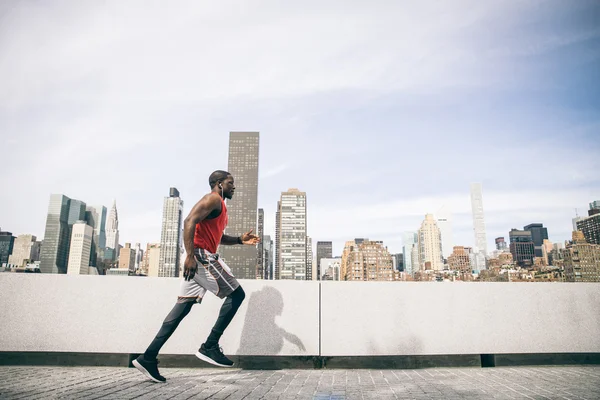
x=546 y=382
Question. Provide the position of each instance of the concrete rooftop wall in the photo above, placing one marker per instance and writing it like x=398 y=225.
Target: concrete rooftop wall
x=115 y=314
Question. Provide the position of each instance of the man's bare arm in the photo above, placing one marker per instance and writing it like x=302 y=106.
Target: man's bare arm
x=200 y=211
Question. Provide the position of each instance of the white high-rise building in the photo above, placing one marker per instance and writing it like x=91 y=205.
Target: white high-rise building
x=310 y=275
x=171 y=235
x=444 y=222
x=430 y=245
x=80 y=248
x=111 y=251
x=409 y=239
x=291 y=245
x=480 y=248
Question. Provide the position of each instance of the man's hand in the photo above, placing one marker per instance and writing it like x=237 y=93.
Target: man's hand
x=190 y=267
x=249 y=238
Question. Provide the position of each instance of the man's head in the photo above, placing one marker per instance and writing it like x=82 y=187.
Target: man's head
x=222 y=183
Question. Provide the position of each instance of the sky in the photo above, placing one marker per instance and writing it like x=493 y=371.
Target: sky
x=381 y=111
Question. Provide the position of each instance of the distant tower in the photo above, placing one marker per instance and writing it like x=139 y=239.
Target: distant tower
x=112 y=234
x=430 y=245
x=170 y=237
x=444 y=222
x=242 y=208
x=324 y=250
x=260 y=259
x=63 y=212
x=291 y=246
x=409 y=239
x=478 y=225
x=80 y=248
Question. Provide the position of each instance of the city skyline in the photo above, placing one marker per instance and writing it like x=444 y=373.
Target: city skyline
x=450 y=80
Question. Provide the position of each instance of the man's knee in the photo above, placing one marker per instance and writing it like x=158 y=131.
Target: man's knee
x=238 y=295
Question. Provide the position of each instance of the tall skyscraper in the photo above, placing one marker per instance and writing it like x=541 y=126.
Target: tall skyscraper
x=409 y=239
x=25 y=248
x=522 y=247
x=170 y=237
x=80 y=248
x=292 y=235
x=7 y=241
x=260 y=262
x=324 y=250
x=96 y=218
x=444 y=222
x=430 y=245
x=276 y=274
x=595 y=205
x=112 y=234
x=55 y=249
x=268 y=257
x=309 y=259
x=242 y=208
x=478 y=225
x=538 y=234
x=139 y=255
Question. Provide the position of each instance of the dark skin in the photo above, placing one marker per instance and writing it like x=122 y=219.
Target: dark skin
x=209 y=207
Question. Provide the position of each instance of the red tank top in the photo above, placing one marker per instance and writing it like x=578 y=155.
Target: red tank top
x=209 y=231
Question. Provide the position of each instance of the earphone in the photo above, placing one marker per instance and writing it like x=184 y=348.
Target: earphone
x=221 y=187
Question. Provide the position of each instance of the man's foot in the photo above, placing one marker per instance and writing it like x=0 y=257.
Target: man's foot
x=148 y=368
x=214 y=355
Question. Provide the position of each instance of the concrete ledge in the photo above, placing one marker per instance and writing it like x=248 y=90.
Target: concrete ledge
x=306 y=362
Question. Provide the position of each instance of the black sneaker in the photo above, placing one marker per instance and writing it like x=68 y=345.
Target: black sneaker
x=214 y=355
x=148 y=368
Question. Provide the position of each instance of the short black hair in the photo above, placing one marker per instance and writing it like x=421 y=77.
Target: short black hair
x=217 y=176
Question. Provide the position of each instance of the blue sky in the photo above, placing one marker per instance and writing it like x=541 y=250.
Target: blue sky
x=381 y=111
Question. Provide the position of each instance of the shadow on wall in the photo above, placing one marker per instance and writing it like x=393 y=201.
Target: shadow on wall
x=261 y=335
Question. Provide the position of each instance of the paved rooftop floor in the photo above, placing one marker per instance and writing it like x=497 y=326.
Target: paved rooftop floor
x=554 y=382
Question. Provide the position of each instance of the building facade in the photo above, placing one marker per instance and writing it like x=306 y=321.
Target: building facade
x=459 y=260
x=581 y=260
x=444 y=222
x=260 y=261
x=409 y=239
x=430 y=245
x=127 y=257
x=26 y=248
x=522 y=247
x=171 y=235
x=112 y=234
x=7 y=242
x=95 y=217
x=538 y=235
x=80 y=248
x=268 y=257
x=324 y=250
x=291 y=248
x=500 y=244
x=366 y=260
x=242 y=208
x=54 y=253
x=590 y=226
x=480 y=249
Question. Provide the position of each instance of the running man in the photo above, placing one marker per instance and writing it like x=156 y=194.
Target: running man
x=204 y=271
